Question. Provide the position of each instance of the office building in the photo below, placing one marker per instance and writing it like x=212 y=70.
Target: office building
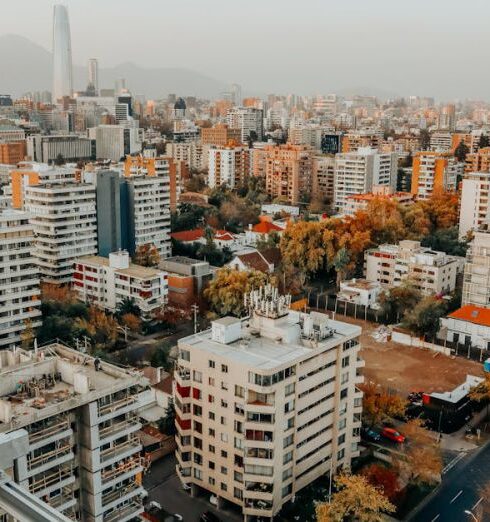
x=10 y=133
x=72 y=148
x=434 y=173
x=267 y=405
x=106 y=282
x=288 y=172
x=249 y=120
x=20 y=299
x=428 y=271
x=64 y=219
x=228 y=165
x=476 y=281
x=76 y=419
x=93 y=74
x=358 y=172
x=62 y=64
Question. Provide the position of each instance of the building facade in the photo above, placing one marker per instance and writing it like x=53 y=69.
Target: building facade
x=249 y=120
x=474 y=203
x=434 y=173
x=476 y=281
x=228 y=165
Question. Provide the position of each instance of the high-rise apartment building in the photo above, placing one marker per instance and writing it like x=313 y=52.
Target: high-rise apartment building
x=323 y=180
x=228 y=165
x=62 y=64
x=447 y=118
x=249 y=120
x=115 y=142
x=475 y=203
x=64 y=219
x=220 y=135
x=19 y=278
x=354 y=140
x=266 y=405
x=358 y=172
x=476 y=281
x=478 y=161
x=288 y=171
x=192 y=153
x=434 y=172
x=76 y=419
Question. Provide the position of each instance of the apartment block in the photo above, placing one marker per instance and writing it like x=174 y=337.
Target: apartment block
x=114 y=142
x=478 y=161
x=266 y=405
x=323 y=179
x=358 y=172
x=220 y=135
x=434 y=172
x=441 y=142
x=355 y=140
x=64 y=219
x=12 y=153
x=361 y=201
x=192 y=153
x=249 y=120
x=474 y=203
x=80 y=418
x=429 y=271
x=106 y=282
x=476 y=281
x=46 y=149
x=288 y=171
x=20 y=300
x=228 y=165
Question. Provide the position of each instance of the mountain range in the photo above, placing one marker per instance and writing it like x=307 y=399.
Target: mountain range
x=27 y=66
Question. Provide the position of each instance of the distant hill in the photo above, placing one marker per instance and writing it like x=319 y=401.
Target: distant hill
x=27 y=66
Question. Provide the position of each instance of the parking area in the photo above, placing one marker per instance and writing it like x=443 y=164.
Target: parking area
x=405 y=369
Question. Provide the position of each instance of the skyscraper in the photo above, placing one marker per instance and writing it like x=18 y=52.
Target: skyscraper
x=62 y=67
x=93 y=73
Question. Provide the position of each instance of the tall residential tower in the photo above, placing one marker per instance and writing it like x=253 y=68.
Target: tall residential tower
x=62 y=66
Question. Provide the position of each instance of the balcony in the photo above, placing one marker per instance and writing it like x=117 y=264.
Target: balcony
x=117 y=429
x=122 y=492
x=49 y=459
x=259 y=487
x=129 y=447
x=127 y=512
x=121 y=470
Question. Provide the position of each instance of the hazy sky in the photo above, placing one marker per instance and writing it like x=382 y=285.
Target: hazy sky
x=426 y=47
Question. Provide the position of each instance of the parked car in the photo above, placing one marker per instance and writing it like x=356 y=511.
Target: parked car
x=392 y=434
x=370 y=434
x=208 y=516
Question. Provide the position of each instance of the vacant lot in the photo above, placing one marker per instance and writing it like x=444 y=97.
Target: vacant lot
x=409 y=369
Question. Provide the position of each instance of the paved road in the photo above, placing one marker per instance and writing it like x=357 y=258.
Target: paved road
x=460 y=490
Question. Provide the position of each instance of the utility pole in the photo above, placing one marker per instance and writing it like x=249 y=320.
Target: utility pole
x=195 y=309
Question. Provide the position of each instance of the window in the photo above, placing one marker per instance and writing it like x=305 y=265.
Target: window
x=197 y=473
x=238 y=443
x=224 y=487
x=224 y=470
x=223 y=421
x=211 y=415
x=238 y=476
x=224 y=385
x=341 y=439
x=287 y=490
x=343 y=393
x=239 y=391
x=197 y=443
x=344 y=378
x=211 y=381
x=288 y=441
x=185 y=355
x=212 y=364
x=224 y=368
x=288 y=457
x=345 y=362
x=212 y=449
x=211 y=398
x=211 y=432
x=224 y=454
x=288 y=473
x=197 y=376
x=197 y=410
x=224 y=404
x=211 y=481
x=289 y=424
x=289 y=406
x=211 y=464
x=342 y=424
x=237 y=493
x=289 y=389
x=341 y=454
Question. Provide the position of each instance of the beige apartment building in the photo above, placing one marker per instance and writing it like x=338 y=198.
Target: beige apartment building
x=323 y=179
x=220 y=135
x=429 y=271
x=474 y=202
x=267 y=404
x=478 y=161
x=476 y=282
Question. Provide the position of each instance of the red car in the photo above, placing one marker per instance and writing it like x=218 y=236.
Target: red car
x=392 y=434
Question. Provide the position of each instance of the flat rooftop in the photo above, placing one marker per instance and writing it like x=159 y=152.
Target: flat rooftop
x=133 y=270
x=39 y=384
x=263 y=353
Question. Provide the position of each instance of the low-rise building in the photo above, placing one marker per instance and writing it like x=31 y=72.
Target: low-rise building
x=358 y=202
x=468 y=325
x=267 y=405
x=360 y=292
x=429 y=271
x=106 y=282
x=266 y=260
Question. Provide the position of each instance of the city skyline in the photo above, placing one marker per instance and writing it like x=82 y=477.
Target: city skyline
x=358 y=44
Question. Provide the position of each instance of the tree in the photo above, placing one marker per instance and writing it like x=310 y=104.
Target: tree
x=384 y=479
x=481 y=392
x=60 y=160
x=380 y=405
x=446 y=240
x=340 y=262
x=226 y=291
x=160 y=357
x=396 y=300
x=355 y=499
x=128 y=306
x=101 y=327
x=147 y=255
x=424 y=139
x=461 y=151
x=166 y=424
x=423 y=319
x=27 y=335
x=484 y=141
x=131 y=321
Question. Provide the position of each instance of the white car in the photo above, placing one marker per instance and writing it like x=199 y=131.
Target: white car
x=213 y=499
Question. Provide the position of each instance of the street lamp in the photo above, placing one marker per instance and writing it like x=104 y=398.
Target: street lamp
x=468 y=512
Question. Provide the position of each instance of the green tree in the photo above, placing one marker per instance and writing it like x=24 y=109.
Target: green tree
x=461 y=151
x=60 y=160
x=423 y=319
x=128 y=306
x=160 y=358
x=396 y=300
x=484 y=141
x=446 y=240
x=340 y=262
x=166 y=424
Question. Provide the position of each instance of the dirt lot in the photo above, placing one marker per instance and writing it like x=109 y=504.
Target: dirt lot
x=409 y=369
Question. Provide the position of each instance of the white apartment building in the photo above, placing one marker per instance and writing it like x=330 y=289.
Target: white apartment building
x=474 y=204
x=46 y=149
x=248 y=120
x=267 y=404
x=114 y=142
x=20 y=300
x=193 y=153
x=64 y=219
x=76 y=420
x=149 y=212
x=357 y=173
x=476 y=282
x=106 y=282
x=228 y=165
x=441 y=141
x=429 y=271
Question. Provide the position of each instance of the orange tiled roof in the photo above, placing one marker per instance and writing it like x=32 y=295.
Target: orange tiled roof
x=265 y=227
x=472 y=314
x=223 y=235
x=188 y=235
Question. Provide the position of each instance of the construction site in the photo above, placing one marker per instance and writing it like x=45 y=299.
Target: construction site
x=76 y=420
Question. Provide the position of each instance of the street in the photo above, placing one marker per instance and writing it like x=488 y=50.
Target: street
x=461 y=490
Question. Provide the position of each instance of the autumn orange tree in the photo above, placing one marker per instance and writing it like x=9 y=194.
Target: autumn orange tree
x=355 y=499
x=379 y=405
x=101 y=327
x=147 y=255
x=131 y=321
x=383 y=478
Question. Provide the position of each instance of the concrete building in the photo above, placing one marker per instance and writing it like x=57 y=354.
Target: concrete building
x=447 y=118
x=93 y=74
x=64 y=219
x=361 y=201
x=266 y=405
x=358 y=172
x=323 y=180
x=13 y=152
x=115 y=142
x=10 y=133
x=478 y=161
x=360 y=292
x=288 y=172
x=441 y=142
x=220 y=135
x=62 y=64
x=106 y=282
x=20 y=300
x=79 y=418
x=476 y=282
x=474 y=203
x=429 y=271
x=360 y=139
x=248 y=120
x=45 y=149
x=469 y=326
x=434 y=172
x=192 y=153
x=228 y=165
